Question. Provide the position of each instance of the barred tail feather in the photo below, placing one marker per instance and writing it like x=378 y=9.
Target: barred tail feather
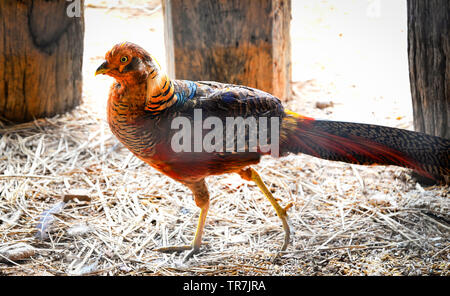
x=365 y=144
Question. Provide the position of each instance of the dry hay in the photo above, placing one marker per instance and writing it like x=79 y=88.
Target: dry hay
x=346 y=219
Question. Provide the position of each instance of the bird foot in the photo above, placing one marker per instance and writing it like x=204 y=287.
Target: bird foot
x=173 y=249
x=190 y=254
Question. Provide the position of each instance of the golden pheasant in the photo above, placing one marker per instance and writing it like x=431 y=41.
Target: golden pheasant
x=146 y=110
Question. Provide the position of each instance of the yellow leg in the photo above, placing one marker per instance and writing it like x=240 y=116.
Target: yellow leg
x=201 y=198
x=198 y=233
x=250 y=174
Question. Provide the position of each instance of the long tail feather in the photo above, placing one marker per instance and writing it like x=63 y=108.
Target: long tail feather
x=365 y=144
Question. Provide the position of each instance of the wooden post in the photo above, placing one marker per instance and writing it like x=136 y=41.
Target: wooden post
x=429 y=65
x=243 y=42
x=41 y=55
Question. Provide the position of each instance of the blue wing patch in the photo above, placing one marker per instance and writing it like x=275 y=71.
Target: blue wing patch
x=186 y=94
x=192 y=89
x=228 y=97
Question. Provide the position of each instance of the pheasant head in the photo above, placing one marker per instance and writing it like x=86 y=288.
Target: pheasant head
x=128 y=62
x=131 y=65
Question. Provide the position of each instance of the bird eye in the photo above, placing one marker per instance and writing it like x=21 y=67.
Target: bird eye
x=124 y=59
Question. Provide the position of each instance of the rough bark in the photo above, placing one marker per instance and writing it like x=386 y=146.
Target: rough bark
x=41 y=52
x=242 y=42
x=429 y=65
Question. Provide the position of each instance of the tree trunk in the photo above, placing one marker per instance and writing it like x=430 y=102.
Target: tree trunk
x=429 y=65
x=243 y=42
x=41 y=55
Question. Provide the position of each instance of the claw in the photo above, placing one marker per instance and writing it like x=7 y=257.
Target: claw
x=173 y=249
x=191 y=254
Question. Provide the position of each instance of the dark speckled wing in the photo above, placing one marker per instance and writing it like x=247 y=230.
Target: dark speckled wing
x=221 y=101
x=228 y=101
x=217 y=99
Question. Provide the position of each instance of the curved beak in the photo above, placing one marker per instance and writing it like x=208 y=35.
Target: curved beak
x=103 y=69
